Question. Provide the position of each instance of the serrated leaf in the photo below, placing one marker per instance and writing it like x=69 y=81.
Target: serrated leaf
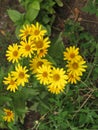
x=14 y=15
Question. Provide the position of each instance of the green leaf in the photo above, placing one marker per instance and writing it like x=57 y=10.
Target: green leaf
x=56 y=50
x=4 y=99
x=96 y=70
x=29 y=92
x=96 y=93
x=32 y=11
x=11 y=126
x=31 y=14
x=90 y=7
x=96 y=54
x=17 y=31
x=35 y=5
x=14 y=15
x=82 y=118
x=1 y=113
x=51 y=60
x=2 y=73
x=20 y=26
x=34 y=106
x=44 y=105
x=59 y=2
x=21 y=110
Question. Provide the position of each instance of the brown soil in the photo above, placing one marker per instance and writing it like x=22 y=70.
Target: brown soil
x=72 y=10
x=6 y=25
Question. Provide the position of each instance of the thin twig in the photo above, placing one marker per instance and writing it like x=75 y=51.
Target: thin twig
x=70 y=9
x=89 y=21
x=83 y=104
x=89 y=73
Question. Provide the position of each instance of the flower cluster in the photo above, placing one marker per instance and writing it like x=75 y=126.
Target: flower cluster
x=29 y=58
x=75 y=64
x=33 y=48
x=33 y=45
x=54 y=78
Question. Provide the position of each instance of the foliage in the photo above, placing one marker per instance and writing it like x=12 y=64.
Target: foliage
x=73 y=109
x=36 y=10
x=91 y=7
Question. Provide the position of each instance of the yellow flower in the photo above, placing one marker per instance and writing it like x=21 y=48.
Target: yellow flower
x=73 y=78
x=72 y=54
x=25 y=32
x=76 y=68
x=42 y=52
x=27 y=48
x=55 y=89
x=58 y=81
x=40 y=44
x=9 y=115
x=37 y=62
x=37 y=31
x=43 y=74
x=12 y=84
x=20 y=75
x=13 y=53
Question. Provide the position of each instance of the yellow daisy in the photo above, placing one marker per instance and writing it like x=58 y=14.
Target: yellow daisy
x=58 y=81
x=37 y=62
x=12 y=84
x=72 y=54
x=42 y=52
x=76 y=68
x=41 y=43
x=73 y=78
x=43 y=74
x=13 y=53
x=37 y=31
x=8 y=115
x=55 y=89
x=27 y=48
x=25 y=32
x=20 y=75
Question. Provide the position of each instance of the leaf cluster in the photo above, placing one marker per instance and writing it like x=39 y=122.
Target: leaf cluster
x=91 y=7
x=36 y=10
